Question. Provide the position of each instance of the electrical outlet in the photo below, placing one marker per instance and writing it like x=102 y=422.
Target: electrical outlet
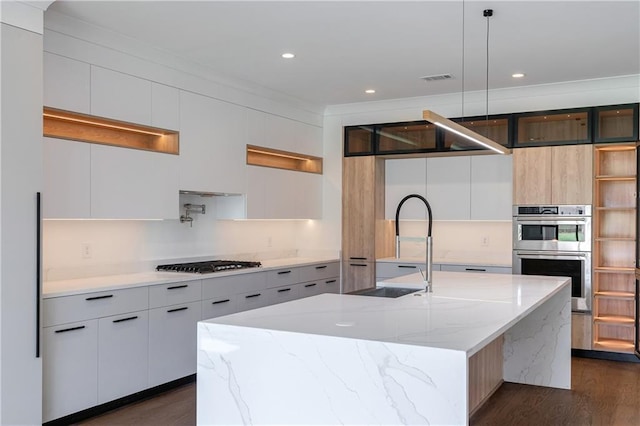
x=484 y=241
x=86 y=250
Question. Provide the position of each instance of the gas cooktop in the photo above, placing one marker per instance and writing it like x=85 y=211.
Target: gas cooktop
x=208 y=266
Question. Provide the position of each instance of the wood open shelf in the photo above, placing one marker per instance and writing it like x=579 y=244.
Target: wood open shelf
x=614 y=231
x=87 y=128
x=277 y=159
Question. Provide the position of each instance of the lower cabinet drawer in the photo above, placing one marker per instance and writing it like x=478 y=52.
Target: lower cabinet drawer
x=172 y=342
x=70 y=369
x=282 y=294
x=66 y=309
x=357 y=275
x=331 y=285
x=476 y=268
x=123 y=354
x=219 y=306
x=174 y=293
x=388 y=270
x=252 y=300
x=309 y=289
x=319 y=271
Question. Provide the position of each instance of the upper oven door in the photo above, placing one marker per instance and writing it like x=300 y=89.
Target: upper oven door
x=557 y=233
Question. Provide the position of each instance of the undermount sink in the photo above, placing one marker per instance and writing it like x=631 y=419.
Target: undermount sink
x=391 y=292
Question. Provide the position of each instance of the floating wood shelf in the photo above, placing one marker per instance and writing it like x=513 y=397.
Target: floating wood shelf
x=277 y=159
x=614 y=345
x=87 y=128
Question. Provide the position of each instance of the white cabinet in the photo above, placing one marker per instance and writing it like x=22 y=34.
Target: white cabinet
x=85 y=180
x=282 y=194
x=477 y=187
x=404 y=177
x=67 y=171
x=165 y=107
x=123 y=352
x=120 y=96
x=448 y=187
x=70 y=368
x=491 y=187
x=212 y=145
x=277 y=132
x=133 y=184
x=173 y=342
x=67 y=84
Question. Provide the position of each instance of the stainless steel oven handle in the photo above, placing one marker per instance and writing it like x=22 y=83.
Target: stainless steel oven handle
x=552 y=254
x=551 y=222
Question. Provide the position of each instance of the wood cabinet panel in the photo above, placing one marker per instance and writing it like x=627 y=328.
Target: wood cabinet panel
x=358 y=207
x=581 y=331
x=357 y=275
x=571 y=173
x=532 y=175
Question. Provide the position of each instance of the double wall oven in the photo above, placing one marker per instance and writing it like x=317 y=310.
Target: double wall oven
x=555 y=240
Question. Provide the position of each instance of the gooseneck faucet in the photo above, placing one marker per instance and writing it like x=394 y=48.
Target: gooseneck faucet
x=429 y=259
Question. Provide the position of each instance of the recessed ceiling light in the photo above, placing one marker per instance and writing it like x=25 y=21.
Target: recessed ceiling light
x=288 y=55
x=518 y=75
x=369 y=91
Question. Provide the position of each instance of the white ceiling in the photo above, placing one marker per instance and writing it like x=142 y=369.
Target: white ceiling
x=345 y=47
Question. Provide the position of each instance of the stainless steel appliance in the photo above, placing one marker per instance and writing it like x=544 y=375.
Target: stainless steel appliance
x=208 y=266
x=555 y=240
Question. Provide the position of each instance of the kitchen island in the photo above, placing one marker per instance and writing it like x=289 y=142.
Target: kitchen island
x=423 y=358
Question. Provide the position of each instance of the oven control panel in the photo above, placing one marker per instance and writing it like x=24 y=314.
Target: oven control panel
x=561 y=210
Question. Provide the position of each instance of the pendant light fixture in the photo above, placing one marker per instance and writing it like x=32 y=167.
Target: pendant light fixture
x=458 y=129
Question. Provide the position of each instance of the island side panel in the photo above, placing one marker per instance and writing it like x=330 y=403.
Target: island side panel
x=537 y=350
x=256 y=376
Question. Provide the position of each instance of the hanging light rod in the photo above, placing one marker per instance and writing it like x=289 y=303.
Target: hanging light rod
x=459 y=130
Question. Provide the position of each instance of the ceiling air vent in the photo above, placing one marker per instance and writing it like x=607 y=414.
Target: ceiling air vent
x=437 y=77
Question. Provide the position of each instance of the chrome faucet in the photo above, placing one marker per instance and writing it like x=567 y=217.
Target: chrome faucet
x=429 y=260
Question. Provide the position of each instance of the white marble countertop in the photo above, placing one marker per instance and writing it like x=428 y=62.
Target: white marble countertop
x=464 y=312
x=115 y=282
x=449 y=259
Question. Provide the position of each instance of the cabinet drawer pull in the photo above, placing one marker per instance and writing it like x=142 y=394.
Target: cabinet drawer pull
x=106 y=296
x=330 y=282
x=184 y=308
x=475 y=269
x=64 y=330
x=310 y=285
x=321 y=267
x=175 y=287
x=125 y=319
x=282 y=290
x=284 y=272
x=252 y=295
x=220 y=301
x=358 y=258
x=407 y=266
x=358 y=264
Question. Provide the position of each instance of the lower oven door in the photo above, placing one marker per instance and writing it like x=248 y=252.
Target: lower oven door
x=576 y=265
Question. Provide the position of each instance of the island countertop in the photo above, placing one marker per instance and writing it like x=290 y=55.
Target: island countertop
x=464 y=312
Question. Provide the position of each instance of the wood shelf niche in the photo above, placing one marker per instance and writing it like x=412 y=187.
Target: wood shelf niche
x=277 y=159
x=88 y=128
x=614 y=248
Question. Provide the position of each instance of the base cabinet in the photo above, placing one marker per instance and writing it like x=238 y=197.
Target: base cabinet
x=581 y=331
x=358 y=275
x=123 y=351
x=172 y=342
x=70 y=369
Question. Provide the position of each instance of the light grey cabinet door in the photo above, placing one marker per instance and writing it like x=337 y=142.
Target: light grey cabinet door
x=120 y=96
x=67 y=84
x=173 y=342
x=123 y=352
x=491 y=187
x=404 y=177
x=70 y=369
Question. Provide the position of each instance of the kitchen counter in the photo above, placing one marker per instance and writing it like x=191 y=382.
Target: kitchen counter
x=358 y=359
x=114 y=282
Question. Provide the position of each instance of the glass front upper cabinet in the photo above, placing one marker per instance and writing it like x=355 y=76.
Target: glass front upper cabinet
x=358 y=140
x=416 y=136
x=553 y=127
x=496 y=129
x=616 y=123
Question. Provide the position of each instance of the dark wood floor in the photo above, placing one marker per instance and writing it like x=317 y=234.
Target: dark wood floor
x=604 y=393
